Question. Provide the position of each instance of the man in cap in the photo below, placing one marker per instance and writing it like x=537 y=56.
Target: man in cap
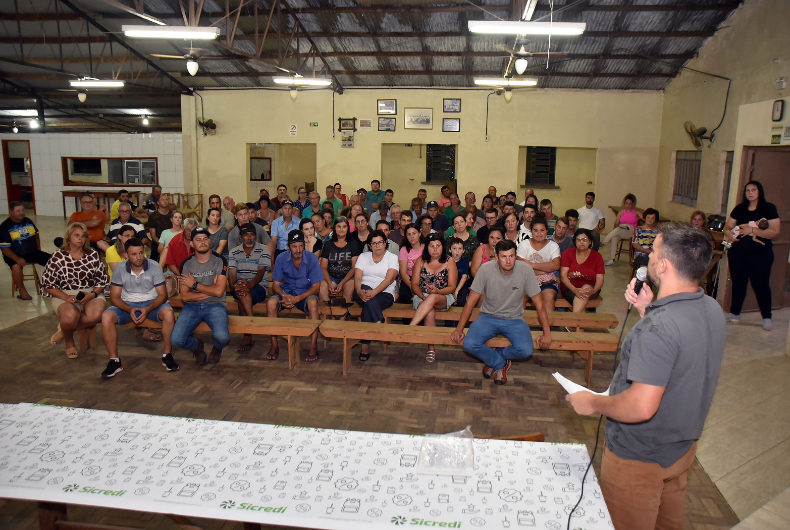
x=247 y=266
x=282 y=226
x=202 y=283
x=440 y=222
x=296 y=278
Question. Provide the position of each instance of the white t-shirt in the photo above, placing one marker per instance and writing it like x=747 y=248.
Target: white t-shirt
x=374 y=273
x=544 y=255
x=589 y=217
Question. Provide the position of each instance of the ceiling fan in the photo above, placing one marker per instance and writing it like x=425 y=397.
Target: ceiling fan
x=521 y=56
x=191 y=57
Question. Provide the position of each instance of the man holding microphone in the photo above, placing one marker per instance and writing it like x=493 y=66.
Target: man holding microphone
x=662 y=390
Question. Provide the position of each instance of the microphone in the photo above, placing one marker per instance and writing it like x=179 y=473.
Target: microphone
x=641 y=277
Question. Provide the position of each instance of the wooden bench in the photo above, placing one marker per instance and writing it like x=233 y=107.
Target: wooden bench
x=291 y=328
x=587 y=344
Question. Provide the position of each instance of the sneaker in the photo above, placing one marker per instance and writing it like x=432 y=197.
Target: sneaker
x=214 y=356
x=169 y=363
x=500 y=376
x=729 y=317
x=488 y=372
x=199 y=354
x=113 y=367
x=767 y=325
x=609 y=263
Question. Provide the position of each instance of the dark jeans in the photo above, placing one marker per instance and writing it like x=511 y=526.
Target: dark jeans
x=215 y=315
x=404 y=297
x=373 y=309
x=754 y=267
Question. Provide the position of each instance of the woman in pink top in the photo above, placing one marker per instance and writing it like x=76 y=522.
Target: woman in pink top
x=410 y=252
x=624 y=226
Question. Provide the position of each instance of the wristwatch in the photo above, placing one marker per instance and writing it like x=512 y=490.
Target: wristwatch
x=194 y=285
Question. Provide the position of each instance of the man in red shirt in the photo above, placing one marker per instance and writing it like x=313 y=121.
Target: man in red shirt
x=180 y=247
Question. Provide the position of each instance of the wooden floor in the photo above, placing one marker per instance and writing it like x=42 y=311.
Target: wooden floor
x=396 y=391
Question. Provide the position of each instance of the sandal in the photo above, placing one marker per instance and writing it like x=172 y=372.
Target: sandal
x=72 y=352
x=244 y=346
x=272 y=356
x=364 y=356
x=56 y=337
x=311 y=358
x=431 y=356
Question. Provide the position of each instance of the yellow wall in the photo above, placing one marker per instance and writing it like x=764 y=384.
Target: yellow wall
x=621 y=126
x=745 y=50
x=575 y=174
x=403 y=171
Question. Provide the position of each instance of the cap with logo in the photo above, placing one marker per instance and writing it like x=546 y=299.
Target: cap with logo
x=247 y=228
x=295 y=236
x=433 y=204
x=200 y=230
x=286 y=202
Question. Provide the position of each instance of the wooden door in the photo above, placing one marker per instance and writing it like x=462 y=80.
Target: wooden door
x=771 y=167
x=19 y=188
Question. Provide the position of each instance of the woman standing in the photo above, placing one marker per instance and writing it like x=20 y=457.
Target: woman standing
x=265 y=213
x=76 y=276
x=218 y=234
x=410 y=252
x=581 y=271
x=461 y=231
x=311 y=243
x=751 y=254
x=511 y=228
x=487 y=252
x=624 y=225
x=698 y=220
x=434 y=285
x=338 y=258
x=543 y=255
x=117 y=253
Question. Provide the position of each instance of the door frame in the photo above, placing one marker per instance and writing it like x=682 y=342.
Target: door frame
x=744 y=175
x=6 y=164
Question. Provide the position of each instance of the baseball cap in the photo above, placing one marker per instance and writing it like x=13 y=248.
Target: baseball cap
x=247 y=228
x=433 y=204
x=360 y=190
x=287 y=201
x=200 y=230
x=295 y=236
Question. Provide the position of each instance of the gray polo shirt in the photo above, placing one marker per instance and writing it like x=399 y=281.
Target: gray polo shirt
x=678 y=345
x=504 y=293
x=138 y=287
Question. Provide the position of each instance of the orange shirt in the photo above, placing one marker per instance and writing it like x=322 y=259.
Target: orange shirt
x=96 y=233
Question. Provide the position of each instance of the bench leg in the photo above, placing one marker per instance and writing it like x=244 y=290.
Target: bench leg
x=588 y=366
x=348 y=344
x=49 y=513
x=293 y=352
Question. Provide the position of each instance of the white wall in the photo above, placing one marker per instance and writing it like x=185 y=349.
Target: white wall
x=47 y=149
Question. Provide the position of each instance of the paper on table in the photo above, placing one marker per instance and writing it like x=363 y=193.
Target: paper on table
x=572 y=387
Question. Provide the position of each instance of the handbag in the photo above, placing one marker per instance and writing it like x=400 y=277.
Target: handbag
x=171 y=284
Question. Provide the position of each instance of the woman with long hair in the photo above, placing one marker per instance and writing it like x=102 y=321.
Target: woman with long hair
x=486 y=204
x=433 y=285
x=117 y=252
x=543 y=255
x=410 y=252
x=487 y=252
x=177 y=220
x=353 y=211
x=311 y=243
x=751 y=254
x=338 y=258
x=581 y=271
x=218 y=234
x=624 y=226
x=322 y=230
x=76 y=277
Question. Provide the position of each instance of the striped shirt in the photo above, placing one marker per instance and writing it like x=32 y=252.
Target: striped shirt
x=247 y=266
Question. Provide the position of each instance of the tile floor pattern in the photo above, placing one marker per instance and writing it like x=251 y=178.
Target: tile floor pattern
x=744 y=448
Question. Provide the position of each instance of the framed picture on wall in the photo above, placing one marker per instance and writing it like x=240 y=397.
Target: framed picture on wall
x=451 y=125
x=387 y=106
x=418 y=118
x=346 y=124
x=452 y=105
x=387 y=124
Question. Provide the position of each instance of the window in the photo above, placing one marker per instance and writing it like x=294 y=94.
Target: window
x=440 y=162
x=725 y=189
x=541 y=165
x=687 y=169
x=87 y=166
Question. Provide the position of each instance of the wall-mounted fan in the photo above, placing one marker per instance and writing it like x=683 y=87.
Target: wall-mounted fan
x=696 y=134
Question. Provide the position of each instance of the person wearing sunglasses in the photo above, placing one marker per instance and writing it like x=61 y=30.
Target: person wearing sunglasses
x=581 y=271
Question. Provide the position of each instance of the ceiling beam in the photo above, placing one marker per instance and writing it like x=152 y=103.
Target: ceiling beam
x=132 y=11
x=450 y=8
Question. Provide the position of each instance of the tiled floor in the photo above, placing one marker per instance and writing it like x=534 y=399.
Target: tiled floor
x=745 y=447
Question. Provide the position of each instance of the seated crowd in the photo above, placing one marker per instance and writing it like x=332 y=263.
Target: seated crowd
x=341 y=249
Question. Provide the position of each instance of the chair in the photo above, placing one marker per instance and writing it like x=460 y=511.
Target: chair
x=620 y=249
x=34 y=276
x=708 y=281
x=631 y=260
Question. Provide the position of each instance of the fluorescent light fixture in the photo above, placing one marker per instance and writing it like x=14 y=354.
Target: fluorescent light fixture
x=507 y=27
x=171 y=32
x=97 y=83
x=20 y=112
x=302 y=81
x=505 y=82
x=137 y=111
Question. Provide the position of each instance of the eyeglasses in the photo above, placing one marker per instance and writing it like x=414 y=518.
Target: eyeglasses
x=582 y=239
x=360 y=222
x=376 y=243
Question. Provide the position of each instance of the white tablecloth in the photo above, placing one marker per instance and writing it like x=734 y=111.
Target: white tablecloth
x=315 y=478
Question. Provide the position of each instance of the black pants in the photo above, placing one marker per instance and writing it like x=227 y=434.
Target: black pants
x=372 y=310
x=754 y=267
x=38 y=257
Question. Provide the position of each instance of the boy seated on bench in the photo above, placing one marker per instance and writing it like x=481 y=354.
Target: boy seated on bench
x=247 y=266
x=296 y=279
x=137 y=292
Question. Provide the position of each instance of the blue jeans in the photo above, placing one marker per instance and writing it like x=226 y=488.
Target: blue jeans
x=215 y=315
x=486 y=327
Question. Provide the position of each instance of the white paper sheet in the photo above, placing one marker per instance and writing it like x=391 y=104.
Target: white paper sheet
x=572 y=387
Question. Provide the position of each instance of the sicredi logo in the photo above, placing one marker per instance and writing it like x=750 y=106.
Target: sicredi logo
x=426 y=522
x=96 y=491
x=227 y=505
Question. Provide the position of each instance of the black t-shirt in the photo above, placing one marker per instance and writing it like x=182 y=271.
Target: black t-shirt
x=340 y=257
x=19 y=237
x=441 y=223
x=743 y=215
